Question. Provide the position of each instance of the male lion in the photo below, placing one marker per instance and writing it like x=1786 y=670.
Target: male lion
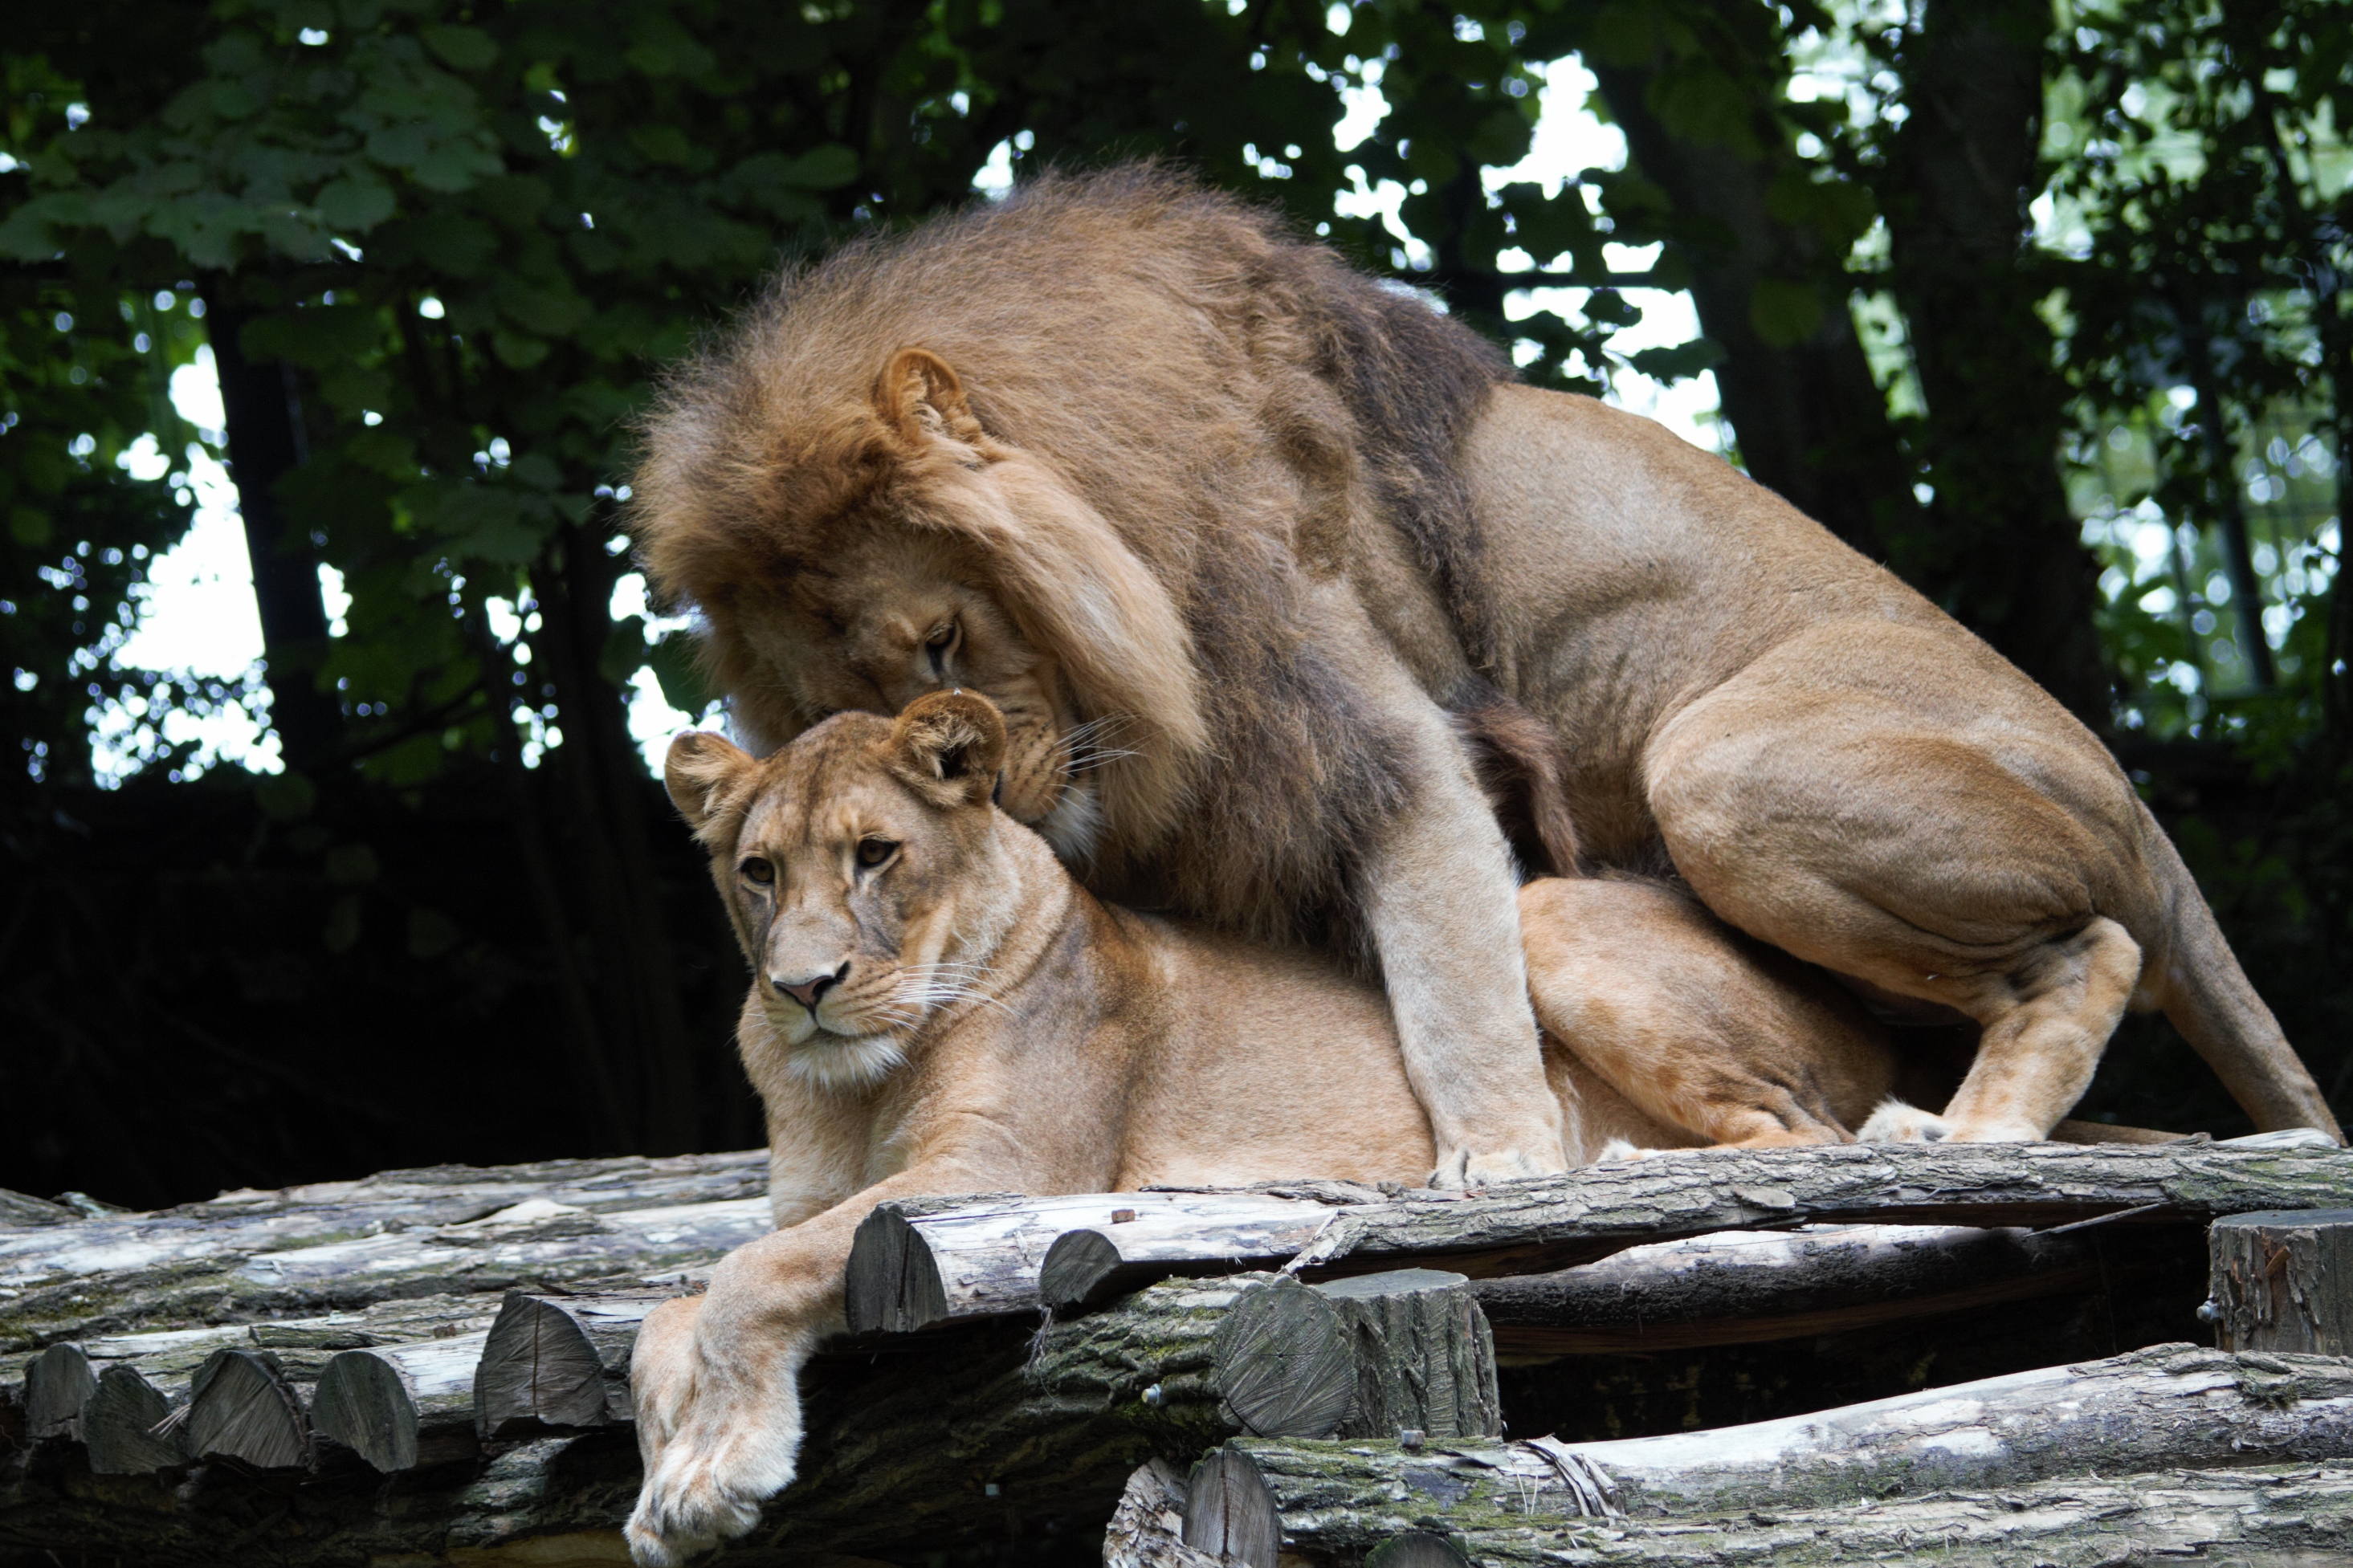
x=1221 y=525
x=937 y=1007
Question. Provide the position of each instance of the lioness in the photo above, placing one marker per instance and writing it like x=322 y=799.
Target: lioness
x=937 y=1007
x=1221 y=524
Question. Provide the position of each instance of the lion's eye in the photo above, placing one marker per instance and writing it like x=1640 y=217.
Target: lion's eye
x=940 y=645
x=755 y=869
x=874 y=851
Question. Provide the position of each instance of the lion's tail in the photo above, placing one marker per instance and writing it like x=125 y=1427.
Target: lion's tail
x=2201 y=988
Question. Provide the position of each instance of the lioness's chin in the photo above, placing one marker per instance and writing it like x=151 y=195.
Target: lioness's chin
x=845 y=1063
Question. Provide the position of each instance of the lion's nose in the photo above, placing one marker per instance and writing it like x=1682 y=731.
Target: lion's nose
x=806 y=991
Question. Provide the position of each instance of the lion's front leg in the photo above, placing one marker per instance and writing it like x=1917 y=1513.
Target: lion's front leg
x=715 y=1381
x=1444 y=910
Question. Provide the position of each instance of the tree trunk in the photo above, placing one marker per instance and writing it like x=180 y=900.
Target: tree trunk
x=623 y=903
x=2004 y=553
x=1335 y=1509
x=266 y=443
x=1811 y=422
x=1533 y=1228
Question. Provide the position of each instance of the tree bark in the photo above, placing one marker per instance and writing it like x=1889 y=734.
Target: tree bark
x=401 y=1406
x=2003 y=552
x=2283 y=1281
x=266 y=443
x=342 y=1246
x=1750 y=1288
x=1335 y=1511
x=1538 y=1226
x=1811 y=422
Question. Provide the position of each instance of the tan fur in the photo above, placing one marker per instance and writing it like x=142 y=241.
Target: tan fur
x=1031 y=1038
x=1175 y=474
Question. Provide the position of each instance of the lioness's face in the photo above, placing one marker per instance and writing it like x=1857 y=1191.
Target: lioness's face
x=858 y=865
x=889 y=616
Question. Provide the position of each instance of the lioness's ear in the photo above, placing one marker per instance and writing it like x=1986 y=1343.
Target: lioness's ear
x=949 y=746
x=919 y=394
x=700 y=765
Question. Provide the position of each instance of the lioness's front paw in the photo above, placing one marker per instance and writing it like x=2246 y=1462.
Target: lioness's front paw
x=1896 y=1123
x=1485 y=1167
x=708 y=1483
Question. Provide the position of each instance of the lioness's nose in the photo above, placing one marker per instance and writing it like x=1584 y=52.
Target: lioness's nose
x=806 y=991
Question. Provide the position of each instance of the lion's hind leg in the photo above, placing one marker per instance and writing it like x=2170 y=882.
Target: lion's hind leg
x=1866 y=821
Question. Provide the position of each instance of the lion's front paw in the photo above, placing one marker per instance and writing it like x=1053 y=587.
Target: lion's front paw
x=1618 y=1150
x=1486 y=1167
x=708 y=1483
x=1896 y=1123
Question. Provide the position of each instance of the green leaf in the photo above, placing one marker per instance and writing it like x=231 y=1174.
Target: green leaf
x=460 y=48
x=29 y=526
x=321 y=337
x=661 y=143
x=356 y=206
x=352 y=865
x=677 y=668
x=1679 y=363
x=519 y=351
x=1784 y=313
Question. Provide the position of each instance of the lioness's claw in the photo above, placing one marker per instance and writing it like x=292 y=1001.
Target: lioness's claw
x=1896 y=1123
x=1459 y=1168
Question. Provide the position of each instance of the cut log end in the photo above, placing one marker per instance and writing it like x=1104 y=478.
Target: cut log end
x=241 y=1407
x=1230 y=1510
x=128 y=1427
x=1284 y=1360
x=538 y=1371
x=1079 y=1270
x=891 y=1284
x=58 y=1385
x=362 y=1403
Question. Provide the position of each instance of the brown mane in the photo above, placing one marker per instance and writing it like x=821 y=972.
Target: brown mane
x=1232 y=401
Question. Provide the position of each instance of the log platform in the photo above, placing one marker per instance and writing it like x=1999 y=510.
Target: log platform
x=432 y=1366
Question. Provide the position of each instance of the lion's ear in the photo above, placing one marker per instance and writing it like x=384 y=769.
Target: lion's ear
x=919 y=394
x=949 y=745
x=700 y=767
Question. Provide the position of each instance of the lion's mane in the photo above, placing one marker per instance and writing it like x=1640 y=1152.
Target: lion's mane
x=1231 y=399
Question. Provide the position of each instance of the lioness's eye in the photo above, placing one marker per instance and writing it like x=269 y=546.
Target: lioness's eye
x=874 y=851
x=758 y=871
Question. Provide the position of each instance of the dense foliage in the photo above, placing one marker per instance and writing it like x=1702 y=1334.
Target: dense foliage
x=2041 y=306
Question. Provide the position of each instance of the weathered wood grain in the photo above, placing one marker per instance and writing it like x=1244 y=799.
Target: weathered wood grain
x=558 y=1363
x=400 y=1406
x=1752 y=1287
x=2173 y=1407
x=2283 y=1281
x=917 y=1263
x=2270 y=1516
x=938 y=1260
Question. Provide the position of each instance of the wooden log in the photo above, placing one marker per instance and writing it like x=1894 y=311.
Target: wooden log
x=2277 y=1516
x=73 y=1292
x=1147 y=1528
x=1424 y=1356
x=241 y=1406
x=2175 y=1406
x=22 y=1211
x=401 y=1406
x=1753 y=1287
x=954 y=1441
x=2283 y=1281
x=58 y=1383
x=1536 y=1226
x=917 y=1263
x=127 y=1426
x=1231 y=1513
x=557 y=1363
